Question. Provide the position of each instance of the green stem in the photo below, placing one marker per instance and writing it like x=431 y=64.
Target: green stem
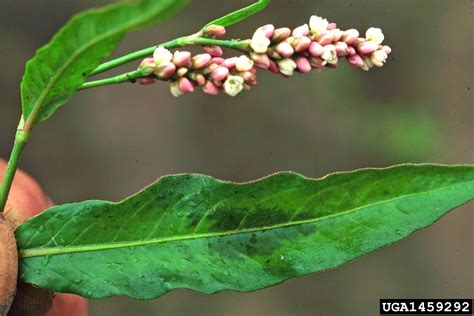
x=129 y=76
x=179 y=42
x=21 y=138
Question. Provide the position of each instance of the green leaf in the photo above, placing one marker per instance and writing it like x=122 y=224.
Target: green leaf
x=61 y=67
x=193 y=231
x=240 y=14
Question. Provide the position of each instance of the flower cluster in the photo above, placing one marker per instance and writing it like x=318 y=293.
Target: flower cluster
x=208 y=70
x=316 y=45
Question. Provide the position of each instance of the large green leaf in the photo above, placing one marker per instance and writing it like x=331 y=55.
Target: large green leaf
x=193 y=231
x=60 y=67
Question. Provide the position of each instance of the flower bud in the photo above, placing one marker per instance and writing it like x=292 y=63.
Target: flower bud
x=198 y=78
x=147 y=66
x=300 y=31
x=367 y=47
x=233 y=85
x=341 y=49
x=303 y=64
x=273 y=54
x=355 y=60
x=315 y=49
x=281 y=34
x=286 y=66
x=318 y=24
x=165 y=70
x=317 y=62
x=181 y=71
x=374 y=34
x=329 y=54
x=217 y=61
x=201 y=60
x=161 y=55
x=249 y=76
x=350 y=36
x=210 y=88
x=146 y=81
x=267 y=30
x=273 y=67
x=336 y=34
x=174 y=89
x=214 y=31
x=261 y=60
x=181 y=58
x=220 y=73
x=387 y=49
x=325 y=38
x=185 y=85
x=284 y=49
x=243 y=63
x=332 y=26
x=230 y=62
x=301 y=44
x=351 y=51
x=378 y=58
x=259 y=42
x=367 y=64
x=214 y=51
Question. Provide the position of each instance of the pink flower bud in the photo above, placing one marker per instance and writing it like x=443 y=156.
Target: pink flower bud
x=284 y=49
x=181 y=58
x=350 y=36
x=336 y=34
x=147 y=66
x=210 y=88
x=387 y=49
x=341 y=49
x=286 y=66
x=273 y=67
x=261 y=60
x=367 y=47
x=272 y=53
x=181 y=71
x=325 y=38
x=146 y=81
x=220 y=73
x=281 y=34
x=351 y=51
x=315 y=49
x=214 y=31
x=165 y=70
x=332 y=26
x=267 y=30
x=301 y=44
x=243 y=63
x=316 y=62
x=217 y=60
x=230 y=62
x=214 y=51
x=161 y=55
x=175 y=90
x=248 y=76
x=355 y=60
x=185 y=85
x=201 y=60
x=260 y=42
x=303 y=64
x=300 y=31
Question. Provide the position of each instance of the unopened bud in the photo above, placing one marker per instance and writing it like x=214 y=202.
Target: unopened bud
x=284 y=49
x=233 y=85
x=332 y=26
x=261 y=60
x=185 y=85
x=210 y=88
x=336 y=34
x=273 y=54
x=214 y=31
x=301 y=44
x=273 y=67
x=355 y=60
x=181 y=71
x=378 y=58
x=281 y=34
x=267 y=30
x=367 y=64
x=260 y=42
x=217 y=60
x=329 y=54
x=214 y=51
x=315 y=49
x=286 y=66
x=351 y=51
x=147 y=66
x=243 y=63
x=341 y=49
x=316 y=62
x=303 y=64
x=248 y=76
x=175 y=90
x=220 y=73
x=181 y=58
x=375 y=35
x=161 y=55
x=230 y=62
x=325 y=38
x=300 y=31
x=165 y=70
x=146 y=81
x=350 y=36
x=201 y=60
x=387 y=49
x=318 y=24
x=367 y=47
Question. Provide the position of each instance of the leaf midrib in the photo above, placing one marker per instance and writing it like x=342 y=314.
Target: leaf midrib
x=40 y=101
x=97 y=247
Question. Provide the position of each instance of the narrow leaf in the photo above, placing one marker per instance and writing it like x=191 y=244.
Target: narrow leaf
x=61 y=66
x=241 y=14
x=193 y=231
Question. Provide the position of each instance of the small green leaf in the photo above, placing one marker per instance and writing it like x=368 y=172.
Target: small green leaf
x=240 y=14
x=193 y=231
x=61 y=67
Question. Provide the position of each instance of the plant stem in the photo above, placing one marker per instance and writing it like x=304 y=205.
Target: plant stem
x=21 y=138
x=179 y=42
x=129 y=76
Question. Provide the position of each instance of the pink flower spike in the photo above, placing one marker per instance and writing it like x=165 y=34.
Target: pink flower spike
x=303 y=64
x=165 y=70
x=210 y=88
x=315 y=49
x=146 y=81
x=273 y=67
x=214 y=51
x=341 y=49
x=181 y=58
x=332 y=26
x=301 y=44
x=355 y=61
x=350 y=36
x=281 y=34
x=387 y=49
x=230 y=62
x=367 y=47
x=220 y=73
x=185 y=85
x=284 y=49
x=267 y=30
x=201 y=60
x=300 y=31
x=325 y=38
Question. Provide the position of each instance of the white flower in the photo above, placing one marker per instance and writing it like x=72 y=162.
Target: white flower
x=317 y=24
x=374 y=34
x=259 y=42
x=287 y=66
x=161 y=55
x=378 y=58
x=243 y=63
x=233 y=85
x=367 y=64
x=330 y=54
x=175 y=90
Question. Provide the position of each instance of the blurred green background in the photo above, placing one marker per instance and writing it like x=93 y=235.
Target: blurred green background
x=111 y=142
